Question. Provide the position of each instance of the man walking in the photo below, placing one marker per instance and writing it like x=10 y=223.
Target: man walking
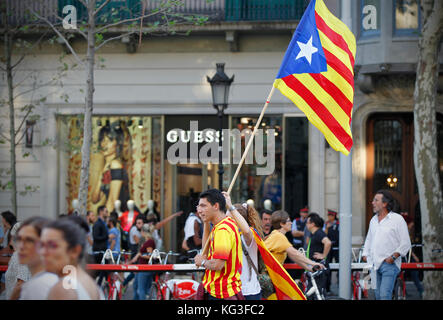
x=386 y=241
x=224 y=260
x=100 y=238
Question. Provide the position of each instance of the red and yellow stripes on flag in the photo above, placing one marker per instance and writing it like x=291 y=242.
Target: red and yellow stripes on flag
x=327 y=98
x=285 y=286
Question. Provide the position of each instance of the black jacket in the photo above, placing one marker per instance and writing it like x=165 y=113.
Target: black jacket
x=99 y=236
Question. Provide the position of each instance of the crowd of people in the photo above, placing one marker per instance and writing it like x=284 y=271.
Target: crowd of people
x=46 y=257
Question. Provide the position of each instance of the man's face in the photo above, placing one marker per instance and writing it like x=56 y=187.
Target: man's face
x=139 y=224
x=309 y=224
x=266 y=221
x=206 y=210
x=378 y=204
x=303 y=214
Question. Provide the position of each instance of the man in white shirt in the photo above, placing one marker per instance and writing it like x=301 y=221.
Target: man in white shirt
x=192 y=239
x=387 y=240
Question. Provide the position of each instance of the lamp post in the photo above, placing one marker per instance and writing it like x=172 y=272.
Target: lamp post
x=220 y=84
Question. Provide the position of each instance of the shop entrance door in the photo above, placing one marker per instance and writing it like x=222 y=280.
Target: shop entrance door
x=188 y=181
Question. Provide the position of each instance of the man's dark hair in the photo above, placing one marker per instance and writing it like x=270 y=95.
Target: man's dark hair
x=387 y=198
x=265 y=211
x=100 y=209
x=316 y=219
x=113 y=221
x=214 y=196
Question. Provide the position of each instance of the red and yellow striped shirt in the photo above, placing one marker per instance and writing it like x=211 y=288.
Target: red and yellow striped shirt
x=225 y=244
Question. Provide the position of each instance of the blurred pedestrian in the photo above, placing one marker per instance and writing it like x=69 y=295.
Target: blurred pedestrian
x=17 y=274
x=193 y=233
x=100 y=235
x=266 y=224
x=280 y=247
x=298 y=228
x=62 y=245
x=143 y=280
x=318 y=247
x=27 y=242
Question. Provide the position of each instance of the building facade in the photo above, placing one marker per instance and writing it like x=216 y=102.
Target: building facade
x=145 y=91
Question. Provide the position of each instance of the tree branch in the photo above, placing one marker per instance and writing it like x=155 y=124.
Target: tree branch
x=4 y=137
x=60 y=35
x=114 y=38
x=101 y=7
x=129 y=20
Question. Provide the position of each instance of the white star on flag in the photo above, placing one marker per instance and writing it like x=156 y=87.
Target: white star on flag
x=306 y=50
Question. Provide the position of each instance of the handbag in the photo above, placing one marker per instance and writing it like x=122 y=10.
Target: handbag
x=266 y=285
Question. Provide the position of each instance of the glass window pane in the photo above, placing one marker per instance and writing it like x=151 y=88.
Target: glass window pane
x=249 y=184
x=388 y=155
x=406 y=14
x=296 y=164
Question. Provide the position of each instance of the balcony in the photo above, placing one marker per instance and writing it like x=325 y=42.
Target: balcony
x=215 y=11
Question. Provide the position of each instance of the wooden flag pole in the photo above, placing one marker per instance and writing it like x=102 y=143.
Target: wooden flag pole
x=257 y=125
x=248 y=146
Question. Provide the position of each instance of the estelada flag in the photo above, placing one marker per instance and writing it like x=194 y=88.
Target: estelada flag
x=317 y=74
x=285 y=286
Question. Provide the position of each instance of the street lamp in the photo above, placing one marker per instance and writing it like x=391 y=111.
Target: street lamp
x=220 y=84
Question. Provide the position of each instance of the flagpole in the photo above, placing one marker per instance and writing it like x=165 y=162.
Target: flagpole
x=248 y=146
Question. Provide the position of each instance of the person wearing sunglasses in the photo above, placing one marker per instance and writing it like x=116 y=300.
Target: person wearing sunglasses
x=62 y=246
x=27 y=244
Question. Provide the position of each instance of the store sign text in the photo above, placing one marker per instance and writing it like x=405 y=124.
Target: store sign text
x=202 y=146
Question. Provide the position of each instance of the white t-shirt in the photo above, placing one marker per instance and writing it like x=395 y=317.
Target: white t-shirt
x=189 y=225
x=134 y=232
x=38 y=287
x=249 y=281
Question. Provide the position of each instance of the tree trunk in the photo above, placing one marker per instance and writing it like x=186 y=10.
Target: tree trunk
x=425 y=144
x=8 y=55
x=89 y=100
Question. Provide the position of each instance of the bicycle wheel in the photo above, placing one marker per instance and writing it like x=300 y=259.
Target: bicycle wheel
x=106 y=291
x=155 y=293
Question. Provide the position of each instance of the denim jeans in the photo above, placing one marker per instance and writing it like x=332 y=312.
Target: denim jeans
x=386 y=275
x=142 y=284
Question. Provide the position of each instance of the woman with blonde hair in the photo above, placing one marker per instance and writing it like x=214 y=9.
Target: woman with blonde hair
x=246 y=218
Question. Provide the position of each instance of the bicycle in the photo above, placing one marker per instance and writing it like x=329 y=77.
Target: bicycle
x=314 y=293
x=164 y=288
x=359 y=289
x=112 y=288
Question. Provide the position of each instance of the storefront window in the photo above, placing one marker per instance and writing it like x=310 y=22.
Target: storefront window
x=253 y=186
x=124 y=161
x=407 y=16
x=370 y=18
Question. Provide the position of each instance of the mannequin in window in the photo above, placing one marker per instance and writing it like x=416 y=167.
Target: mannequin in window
x=267 y=204
x=75 y=207
x=128 y=217
x=117 y=207
x=251 y=203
